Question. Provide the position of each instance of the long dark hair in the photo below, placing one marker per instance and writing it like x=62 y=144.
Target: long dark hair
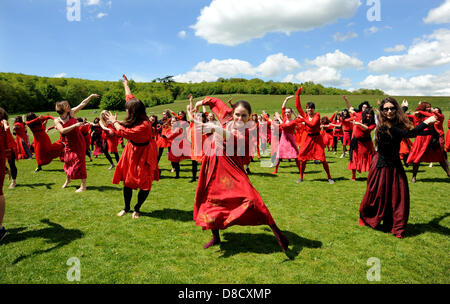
x=370 y=121
x=18 y=119
x=3 y=114
x=31 y=116
x=136 y=113
x=384 y=124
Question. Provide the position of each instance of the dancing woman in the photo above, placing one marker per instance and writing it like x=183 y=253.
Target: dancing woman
x=74 y=142
x=110 y=139
x=313 y=148
x=23 y=145
x=225 y=195
x=3 y=146
x=387 y=195
x=44 y=150
x=138 y=165
x=287 y=147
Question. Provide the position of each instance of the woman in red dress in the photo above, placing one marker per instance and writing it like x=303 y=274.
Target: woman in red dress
x=138 y=164
x=313 y=148
x=96 y=137
x=287 y=147
x=362 y=150
x=338 y=134
x=44 y=150
x=3 y=146
x=225 y=195
x=180 y=147
x=109 y=138
x=426 y=147
x=166 y=126
x=74 y=143
x=23 y=145
x=326 y=132
x=387 y=195
x=11 y=155
x=86 y=132
x=447 y=137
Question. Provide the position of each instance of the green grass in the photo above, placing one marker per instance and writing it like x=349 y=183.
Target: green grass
x=48 y=225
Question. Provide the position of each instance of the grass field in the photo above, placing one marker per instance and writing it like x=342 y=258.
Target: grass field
x=48 y=225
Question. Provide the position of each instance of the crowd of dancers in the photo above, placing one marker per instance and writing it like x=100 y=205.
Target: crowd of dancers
x=225 y=138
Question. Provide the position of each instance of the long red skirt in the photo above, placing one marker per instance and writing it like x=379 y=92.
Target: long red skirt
x=447 y=141
x=226 y=197
x=362 y=157
x=74 y=152
x=386 y=199
x=423 y=152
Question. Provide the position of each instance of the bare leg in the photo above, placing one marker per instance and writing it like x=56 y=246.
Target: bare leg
x=66 y=183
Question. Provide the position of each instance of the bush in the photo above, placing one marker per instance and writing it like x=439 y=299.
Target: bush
x=113 y=100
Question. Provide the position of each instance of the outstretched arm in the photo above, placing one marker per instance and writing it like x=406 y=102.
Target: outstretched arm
x=66 y=130
x=84 y=103
x=347 y=103
x=298 y=104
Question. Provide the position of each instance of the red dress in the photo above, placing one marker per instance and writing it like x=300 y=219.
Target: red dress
x=21 y=140
x=347 y=126
x=111 y=138
x=85 y=131
x=225 y=195
x=138 y=165
x=423 y=149
x=44 y=150
x=3 y=146
x=164 y=142
x=74 y=152
x=364 y=150
x=447 y=138
x=180 y=148
x=197 y=142
x=327 y=136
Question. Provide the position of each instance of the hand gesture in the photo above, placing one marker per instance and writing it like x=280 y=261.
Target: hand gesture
x=430 y=120
x=404 y=103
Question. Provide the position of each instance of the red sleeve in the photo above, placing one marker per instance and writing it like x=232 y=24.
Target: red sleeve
x=140 y=133
x=128 y=97
x=172 y=135
x=427 y=114
x=176 y=116
x=333 y=116
x=314 y=122
x=298 y=104
x=218 y=107
x=439 y=116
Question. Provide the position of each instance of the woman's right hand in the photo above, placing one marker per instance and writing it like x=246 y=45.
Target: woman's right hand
x=430 y=120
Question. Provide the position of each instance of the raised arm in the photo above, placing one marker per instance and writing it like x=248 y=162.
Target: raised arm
x=347 y=103
x=298 y=104
x=218 y=107
x=83 y=103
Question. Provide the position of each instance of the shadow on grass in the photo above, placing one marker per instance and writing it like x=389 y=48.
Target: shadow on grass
x=433 y=180
x=55 y=234
x=264 y=243
x=96 y=188
x=32 y=186
x=170 y=214
x=341 y=178
x=263 y=174
x=432 y=226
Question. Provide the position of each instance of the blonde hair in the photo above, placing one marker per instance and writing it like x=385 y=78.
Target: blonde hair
x=103 y=117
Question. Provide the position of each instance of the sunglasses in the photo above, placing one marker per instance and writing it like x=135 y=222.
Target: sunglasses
x=389 y=108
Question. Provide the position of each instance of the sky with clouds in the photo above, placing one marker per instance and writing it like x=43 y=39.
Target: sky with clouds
x=399 y=46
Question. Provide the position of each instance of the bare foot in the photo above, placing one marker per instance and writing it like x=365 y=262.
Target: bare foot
x=66 y=183
x=81 y=189
x=13 y=185
x=121 y=213
x=136 y=215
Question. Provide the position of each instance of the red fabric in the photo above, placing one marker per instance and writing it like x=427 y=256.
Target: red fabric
x=447 y=138
x=85 y=131
x=439 y=125
x=274 y=137
x=21 y=136
x=44 y=150
x=111 y=138
x=180 y=147
x=386 y=198
x=3 y=146
x=423 y=152
x=74 y=152
x=364 y=150
x=11 y=145
x=327 y=137
x=164 y=142
x=138 y=165
x=405 y=147
x=197 y=142
x=225 y=195
x=96 y=137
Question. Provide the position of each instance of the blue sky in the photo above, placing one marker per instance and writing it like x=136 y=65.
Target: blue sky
x=328 y=41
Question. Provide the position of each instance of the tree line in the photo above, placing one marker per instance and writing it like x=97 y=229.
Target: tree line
x=21 y=93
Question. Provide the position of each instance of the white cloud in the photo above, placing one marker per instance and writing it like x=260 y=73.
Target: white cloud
x=422 y=85
x=274 y=65
x=277 y=64
x=101 y=15
x=429 y=51
x=397 y=48
x=371 y=30
x=289 y=78
x=440 y=14
x=92 y=2
x=337 y=60
x=60 y=75
x=231 y=22
x=324 y=75
x=182 y=34
x=342 y=37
